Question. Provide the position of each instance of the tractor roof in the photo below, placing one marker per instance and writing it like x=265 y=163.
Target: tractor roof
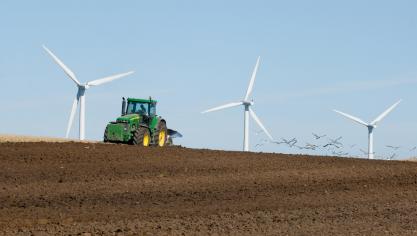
x=141 y=100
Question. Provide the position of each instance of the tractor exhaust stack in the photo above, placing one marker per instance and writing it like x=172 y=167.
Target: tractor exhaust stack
x=123 y=106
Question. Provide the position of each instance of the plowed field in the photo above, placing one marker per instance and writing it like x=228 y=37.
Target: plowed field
x=104 y=189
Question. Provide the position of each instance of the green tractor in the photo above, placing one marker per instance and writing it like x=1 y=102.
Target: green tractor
x=139 y=125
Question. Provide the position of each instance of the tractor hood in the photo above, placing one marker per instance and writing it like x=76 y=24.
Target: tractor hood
x=128 y=118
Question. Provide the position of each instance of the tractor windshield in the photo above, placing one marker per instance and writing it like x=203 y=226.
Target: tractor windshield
x=137 y=107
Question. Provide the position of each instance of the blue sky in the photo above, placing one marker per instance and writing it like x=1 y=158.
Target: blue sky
x=356 y=56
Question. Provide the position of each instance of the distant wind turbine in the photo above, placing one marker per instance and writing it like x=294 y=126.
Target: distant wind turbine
x=246 y=103
x=80 y=97
x=371 y=126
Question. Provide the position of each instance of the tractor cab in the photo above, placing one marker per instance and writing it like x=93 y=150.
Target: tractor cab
x=142 y=107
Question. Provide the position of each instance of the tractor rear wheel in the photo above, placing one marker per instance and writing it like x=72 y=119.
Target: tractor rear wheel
x=142 y=137
x=160 y=136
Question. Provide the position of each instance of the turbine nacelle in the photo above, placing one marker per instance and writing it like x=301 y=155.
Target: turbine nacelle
x=83 y=86
x=247 y=103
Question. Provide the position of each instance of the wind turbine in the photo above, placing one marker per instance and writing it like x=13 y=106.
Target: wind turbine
x=80 y=97
x=371 y=126
x=246 y=103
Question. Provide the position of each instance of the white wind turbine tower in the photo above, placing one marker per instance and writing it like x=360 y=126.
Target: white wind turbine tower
x=371 y=126
x=247 y=110
x=80 y=97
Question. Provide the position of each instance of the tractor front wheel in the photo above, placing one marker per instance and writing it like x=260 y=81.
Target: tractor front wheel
x=105 y=139
x=142 y=137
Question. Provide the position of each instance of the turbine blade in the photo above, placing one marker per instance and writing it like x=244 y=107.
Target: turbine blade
x=255 y=117
x=108 y=79
x=385 y=113
x=232 y=104
x=252 y=80
x=356 y=119
x=67 y=71
x=72 y=114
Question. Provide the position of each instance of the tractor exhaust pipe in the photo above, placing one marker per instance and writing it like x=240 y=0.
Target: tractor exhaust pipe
x=123 y=106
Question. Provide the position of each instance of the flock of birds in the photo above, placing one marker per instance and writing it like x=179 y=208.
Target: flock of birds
x=331 y=146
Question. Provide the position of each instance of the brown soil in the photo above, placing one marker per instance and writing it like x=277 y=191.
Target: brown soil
x=105 y=189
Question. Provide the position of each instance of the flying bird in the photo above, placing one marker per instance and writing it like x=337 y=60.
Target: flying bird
x=340 y=153
x=299 y=147
x=392 y=156
x=336 y=141
x=259 y=144
x=277 y=142
x=290 y=143
x=310 y=146
x=392 y=147
x=331 y=144
x=316 y=136
x=364 y=152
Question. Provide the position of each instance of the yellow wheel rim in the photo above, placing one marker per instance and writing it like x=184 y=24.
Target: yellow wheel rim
x=162 y=138
x=146 y=140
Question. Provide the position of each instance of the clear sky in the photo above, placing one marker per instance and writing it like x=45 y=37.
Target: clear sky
x=356 y=56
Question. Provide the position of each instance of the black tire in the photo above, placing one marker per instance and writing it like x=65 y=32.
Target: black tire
x=161 y=130
x=139 y=137
x=105 y=139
